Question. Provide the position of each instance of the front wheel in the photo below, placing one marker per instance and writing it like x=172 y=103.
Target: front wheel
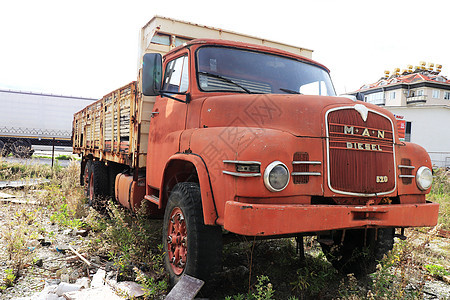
x=190 y=246
x=358 y=251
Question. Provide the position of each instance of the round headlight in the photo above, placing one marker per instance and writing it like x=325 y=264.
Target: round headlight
x=424 y=178
x=276 y=176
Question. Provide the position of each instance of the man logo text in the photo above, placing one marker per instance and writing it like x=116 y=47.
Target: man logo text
x=365 y=132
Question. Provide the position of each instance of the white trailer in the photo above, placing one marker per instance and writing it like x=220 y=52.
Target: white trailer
x=30 y=118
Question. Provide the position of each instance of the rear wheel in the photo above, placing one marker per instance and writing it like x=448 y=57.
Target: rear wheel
x=22 y=148
x=4 y=150
x=360 y=250
x=86 y=177
x=95 y=183
x=191 y=247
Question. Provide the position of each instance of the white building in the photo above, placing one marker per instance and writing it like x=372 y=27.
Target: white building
x=422 y=98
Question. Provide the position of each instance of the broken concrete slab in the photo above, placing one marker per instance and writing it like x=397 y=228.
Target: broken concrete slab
x=22 y=183
x=97 y=279
x=186 y=289
x=6 y=196
x=99 y=293
x=130 y=288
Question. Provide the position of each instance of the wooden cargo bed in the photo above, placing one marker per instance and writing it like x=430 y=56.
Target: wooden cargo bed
x=110 y=128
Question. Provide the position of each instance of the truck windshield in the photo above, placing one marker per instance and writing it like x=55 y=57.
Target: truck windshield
x=223 y=69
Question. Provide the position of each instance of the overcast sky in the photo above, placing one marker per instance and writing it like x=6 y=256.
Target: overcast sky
x=89 y=48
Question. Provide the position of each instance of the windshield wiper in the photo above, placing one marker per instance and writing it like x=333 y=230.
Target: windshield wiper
x=227 y=80
x=290 y=91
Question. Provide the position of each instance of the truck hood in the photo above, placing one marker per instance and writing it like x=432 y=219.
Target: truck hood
x=300 y=115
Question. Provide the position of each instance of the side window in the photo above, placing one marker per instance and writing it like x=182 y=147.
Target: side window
x=176 y=77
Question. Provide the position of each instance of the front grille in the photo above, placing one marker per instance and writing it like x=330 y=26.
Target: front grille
x=360 y=153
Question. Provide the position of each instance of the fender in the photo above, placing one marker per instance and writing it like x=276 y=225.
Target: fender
x=209 y=206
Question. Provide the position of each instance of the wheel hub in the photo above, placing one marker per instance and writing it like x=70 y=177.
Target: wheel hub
x=177 y=241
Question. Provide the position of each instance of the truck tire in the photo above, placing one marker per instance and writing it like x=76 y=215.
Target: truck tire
x=22 y=148
x=86 y=177
x=353 y=255
x=98 y=184
x=190 y=246
x=4 y=150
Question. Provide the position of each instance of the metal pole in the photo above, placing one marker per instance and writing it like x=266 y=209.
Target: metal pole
x=53 y=151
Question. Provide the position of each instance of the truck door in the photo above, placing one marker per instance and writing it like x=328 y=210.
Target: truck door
x=168 y=119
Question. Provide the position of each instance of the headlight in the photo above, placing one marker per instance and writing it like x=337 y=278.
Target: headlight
x=424 y=178
x=276 y=176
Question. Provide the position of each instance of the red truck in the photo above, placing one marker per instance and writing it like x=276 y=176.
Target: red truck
x=224 y=136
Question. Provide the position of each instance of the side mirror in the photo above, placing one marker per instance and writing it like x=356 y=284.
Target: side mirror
x=151 y=74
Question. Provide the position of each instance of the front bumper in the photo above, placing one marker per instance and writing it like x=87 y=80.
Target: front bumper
x=270 y=219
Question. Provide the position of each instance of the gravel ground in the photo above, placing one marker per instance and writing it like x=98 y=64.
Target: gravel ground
x=46 y=256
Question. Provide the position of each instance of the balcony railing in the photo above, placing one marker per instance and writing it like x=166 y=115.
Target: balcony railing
x=416 y=99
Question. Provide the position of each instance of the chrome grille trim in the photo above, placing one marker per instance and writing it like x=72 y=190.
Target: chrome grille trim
x=306 y=174
x=298 y=162
x=242 y=174
x=406 y=176
x=242 y=162
x=406 y=167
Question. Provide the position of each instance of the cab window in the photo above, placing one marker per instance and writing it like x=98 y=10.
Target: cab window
x=176 y=76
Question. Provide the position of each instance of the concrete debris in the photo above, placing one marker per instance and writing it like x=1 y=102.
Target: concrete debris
x=22 y=183
x=186 y=289
x=64 y=287
x=100 y=293
x=130 y=288
x=97 y=279
x=84 y=289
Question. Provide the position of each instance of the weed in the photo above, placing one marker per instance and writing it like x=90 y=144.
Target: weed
x=8 y=279
x=65 y=217
x=153 y=287
x=440 y=192
x=437 y=271
x=314 y=276
x=263 y=291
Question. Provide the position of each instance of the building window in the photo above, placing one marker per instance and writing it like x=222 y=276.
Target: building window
x=436 y=93
x=419 y=93
x=408 y=132
x=447 y=95
x=392 y=96
x=375 y=98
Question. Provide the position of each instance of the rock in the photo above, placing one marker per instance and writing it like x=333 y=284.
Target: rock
x=131 y=289
x=82 y=232
x=84 y=282
x=61 y=272
x=74 y=276
x=44 y=243
x=33 y=243
x=64 y=287
x=95 y=260
x=446 y=279
x=65 y=278
x=39 y=263
x=97 y=279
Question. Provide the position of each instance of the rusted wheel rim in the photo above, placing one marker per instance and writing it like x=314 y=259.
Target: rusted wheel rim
x=177 y=241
